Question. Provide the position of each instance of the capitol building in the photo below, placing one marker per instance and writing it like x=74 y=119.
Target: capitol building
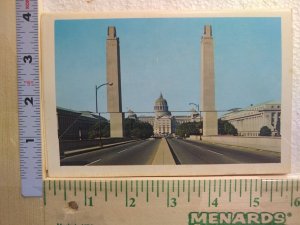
x=163 y=122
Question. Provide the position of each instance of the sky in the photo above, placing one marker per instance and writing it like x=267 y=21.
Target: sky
x=162 y=55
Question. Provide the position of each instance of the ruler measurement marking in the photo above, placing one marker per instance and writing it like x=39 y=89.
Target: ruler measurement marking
x=173 y=186
x=126 y=193
x=208 y=193
x=105 y=190
x=234 y=185
x=194 y=186
x=189 y=194
x=85 y=193
x=271 y=192
x=281 y=191
x=157 y=188
x=95 y=188
x=54 y=187
x=261 y=186
x=256 y=185
x=116 y=188
x=178 y=186
x=152 y=185
x=65 y=191
x=214 y=185
x=230 y=190
x=44 y=196
x=168 y=194
x=250 y=193
x=147 y=190
x=137 y=188
x=199 y=188
x=292 y=193
x=240 y=188
x=75 y=188
x=220 y=184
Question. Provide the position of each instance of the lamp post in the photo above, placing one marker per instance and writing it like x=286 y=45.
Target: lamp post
x=198 y=108
x=97 y=88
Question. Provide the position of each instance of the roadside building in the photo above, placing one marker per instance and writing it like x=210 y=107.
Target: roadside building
x=75 y=125
x=248 y=121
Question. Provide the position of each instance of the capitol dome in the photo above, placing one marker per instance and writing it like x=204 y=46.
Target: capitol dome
x=161 y=106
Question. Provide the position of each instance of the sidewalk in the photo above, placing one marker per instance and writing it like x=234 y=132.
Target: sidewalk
x=163 y=155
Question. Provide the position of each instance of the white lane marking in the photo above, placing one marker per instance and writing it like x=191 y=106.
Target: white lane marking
x=133 y=147
x=201 y=148
x=93 y=162
x=118 y=153
x=123 y=150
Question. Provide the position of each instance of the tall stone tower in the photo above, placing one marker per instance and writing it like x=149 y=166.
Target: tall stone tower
x=113 y=75
x=210 y=121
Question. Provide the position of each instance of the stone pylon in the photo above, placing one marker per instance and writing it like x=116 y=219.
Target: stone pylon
x=210 y=121
x=113 y=75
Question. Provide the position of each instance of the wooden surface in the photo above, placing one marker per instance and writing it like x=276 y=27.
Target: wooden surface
x=13 y=208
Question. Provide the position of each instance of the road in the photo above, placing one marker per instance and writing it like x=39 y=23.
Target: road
x=137 y=153
x=191 y=152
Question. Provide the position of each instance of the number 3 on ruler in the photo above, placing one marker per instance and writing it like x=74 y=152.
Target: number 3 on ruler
x=27 y=58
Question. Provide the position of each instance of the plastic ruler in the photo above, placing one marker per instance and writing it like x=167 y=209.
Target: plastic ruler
x=193 y=201
x=29 y=97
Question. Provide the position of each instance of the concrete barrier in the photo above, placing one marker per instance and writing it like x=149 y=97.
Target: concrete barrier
x=263 y=143
x=163 y=155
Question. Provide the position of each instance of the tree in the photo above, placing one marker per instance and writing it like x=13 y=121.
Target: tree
x=94 y=130
x=278 y=127
x=225 y=128
x=265 y=131
x=137 y=129
x=189 y=128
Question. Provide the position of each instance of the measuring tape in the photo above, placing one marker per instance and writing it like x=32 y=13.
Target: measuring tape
x=172 y=202
x=29 y=97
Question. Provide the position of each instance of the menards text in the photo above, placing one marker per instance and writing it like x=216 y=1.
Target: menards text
x=237 y=218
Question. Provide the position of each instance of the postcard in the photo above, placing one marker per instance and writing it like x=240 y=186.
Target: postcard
x=173 y=94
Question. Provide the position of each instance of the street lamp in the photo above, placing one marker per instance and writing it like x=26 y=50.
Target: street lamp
x=97 y=88
x=198 y=108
